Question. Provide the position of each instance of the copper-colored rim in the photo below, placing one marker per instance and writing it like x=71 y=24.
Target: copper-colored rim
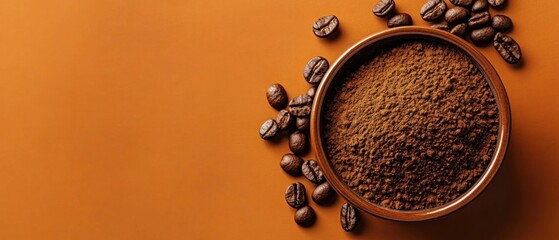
x=409 y=33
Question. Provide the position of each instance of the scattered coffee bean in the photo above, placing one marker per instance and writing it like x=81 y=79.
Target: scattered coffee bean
x=463 y=3
x=303 y=123
x=496 y=3
x=285 y=120
x=349 y=217
x=305 y=216
x=479 y=20
x=300 y=106
x=298 y=143
x=315 y=70
x=400 y=19
x=441 y=26
x=507 y=48
x=291 y=164
x=482 y=36
x=433 y=10
x=501 y=23
x=277 y=96
x=323 y=194
x=480 y=6
x=456 y=14
x=312 y=91
x=460 y=29
x=269 y=129
x=296 y=195
x=384 y=8
x=325 y=26
x=312 y=171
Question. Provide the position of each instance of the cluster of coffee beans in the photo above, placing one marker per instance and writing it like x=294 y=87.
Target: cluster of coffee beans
x=464 y=16
x=473 y=17
x=387 y=9
x=293 y=120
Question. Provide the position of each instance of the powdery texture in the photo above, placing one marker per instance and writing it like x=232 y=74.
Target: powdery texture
x=413 y=128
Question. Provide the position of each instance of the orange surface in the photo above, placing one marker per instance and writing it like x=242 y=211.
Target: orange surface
x=138 y=120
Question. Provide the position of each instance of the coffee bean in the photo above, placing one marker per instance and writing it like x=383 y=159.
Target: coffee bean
x=296 y=195
x=400 y=19
x=480 y=6
x=298 y=143
x=501 y=23
x=441 y=26
x=507 y=48
x=305 y=216
x=463 y=3
x=325 y=26
x=315 y=70
x=269 y=129
x=349 y=217
x=460 y=29
x=312 y=91
x=291 y=164
x=302 y=123
x=323 y=194
x=482 y=36
x=479 y=20
x=433 y=10
x=300 y=106
x=285 y=120
x=384 y=8
x=276 y=95
x=456 y=15
x=496 y=3
x=312 y=171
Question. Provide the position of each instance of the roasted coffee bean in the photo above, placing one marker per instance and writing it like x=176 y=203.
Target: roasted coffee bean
x=300 y=106
x=480 y=6
x=441 y=26
x=312 y=171
x=323 y=194
x=305 y=216
x=291 y=164
x=384 y=8
x=463 y=3
x=302 y=123
x=433 y=10
x=501 y=23
x=479 y=20
x=482 y=36
x=456 y=15
x=296 y=195
x=269 y=129
x=276 y=95
x=507 y=48
x=312 y=91
x=298 y=143
x=325 y=26
x=400 y=19
x=349 y=217
x=315 y=70
x=460 y=29
x=285 y=120
x=496 y=3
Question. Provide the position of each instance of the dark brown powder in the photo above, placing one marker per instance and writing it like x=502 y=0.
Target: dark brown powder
x=413 y=127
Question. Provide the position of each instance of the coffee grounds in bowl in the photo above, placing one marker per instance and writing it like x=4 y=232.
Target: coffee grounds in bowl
x=413 y=127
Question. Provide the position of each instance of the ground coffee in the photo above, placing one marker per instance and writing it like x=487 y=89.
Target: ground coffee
x=413 y=127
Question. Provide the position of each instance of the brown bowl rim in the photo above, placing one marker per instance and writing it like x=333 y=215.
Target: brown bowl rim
x=504 y=123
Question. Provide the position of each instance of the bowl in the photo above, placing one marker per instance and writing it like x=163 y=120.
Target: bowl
x=353 y=56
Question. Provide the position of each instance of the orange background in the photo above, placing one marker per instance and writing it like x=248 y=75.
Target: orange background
x=139 y=119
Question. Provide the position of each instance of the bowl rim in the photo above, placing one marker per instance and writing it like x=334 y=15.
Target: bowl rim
x=485 y=68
